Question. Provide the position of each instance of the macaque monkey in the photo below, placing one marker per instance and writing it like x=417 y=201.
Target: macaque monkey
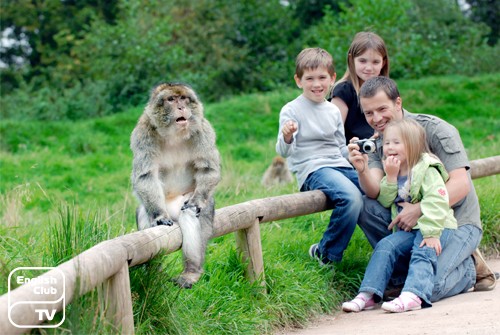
x=277 y=173
x=176 y=168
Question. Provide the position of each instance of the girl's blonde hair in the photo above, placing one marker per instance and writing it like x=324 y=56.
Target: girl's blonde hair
x=363 y=41
x=413 y=137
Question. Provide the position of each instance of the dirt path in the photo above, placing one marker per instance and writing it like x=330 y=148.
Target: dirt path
x=473 y=313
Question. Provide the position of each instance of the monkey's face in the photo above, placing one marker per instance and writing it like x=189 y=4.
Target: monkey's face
x=175 y=105
x=278 y=162
x=175 y=109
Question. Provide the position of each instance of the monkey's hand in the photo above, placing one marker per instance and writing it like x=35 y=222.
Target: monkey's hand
x=195 y=208
x=163 y=221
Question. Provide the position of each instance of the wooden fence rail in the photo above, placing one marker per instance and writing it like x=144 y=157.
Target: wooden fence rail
x=107 y=263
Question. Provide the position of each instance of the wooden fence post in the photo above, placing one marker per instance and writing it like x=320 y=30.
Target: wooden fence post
x=118 y=301
x=249 y=244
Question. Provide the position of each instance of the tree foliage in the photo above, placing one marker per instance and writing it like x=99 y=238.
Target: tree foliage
x=89 y=58
x=421 y=40
x=487 y=11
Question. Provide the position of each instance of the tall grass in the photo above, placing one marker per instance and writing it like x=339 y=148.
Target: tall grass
x=65 y=186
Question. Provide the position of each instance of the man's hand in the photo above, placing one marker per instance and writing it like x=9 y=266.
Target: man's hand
x=432 y=242
x=408 y=217
x=357 y=159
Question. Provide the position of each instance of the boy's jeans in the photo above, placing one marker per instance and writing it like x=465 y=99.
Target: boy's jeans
x=341 y=187
x=455 y=269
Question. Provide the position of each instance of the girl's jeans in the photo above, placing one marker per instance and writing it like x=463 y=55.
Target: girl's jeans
x=455 y=267
x=400 y=247
x=341 y=187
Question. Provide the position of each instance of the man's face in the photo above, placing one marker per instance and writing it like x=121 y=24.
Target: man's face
x=379 y=110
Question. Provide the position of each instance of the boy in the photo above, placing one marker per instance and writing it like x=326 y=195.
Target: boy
x=312 y=140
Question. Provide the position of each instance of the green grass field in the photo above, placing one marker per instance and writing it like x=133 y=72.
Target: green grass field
x=66 y=186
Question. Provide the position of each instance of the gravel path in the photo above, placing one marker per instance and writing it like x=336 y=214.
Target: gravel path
x=473 y=313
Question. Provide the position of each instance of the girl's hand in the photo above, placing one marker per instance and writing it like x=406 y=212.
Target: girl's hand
x=432 y=242
x=391 y=168
x=288 y=129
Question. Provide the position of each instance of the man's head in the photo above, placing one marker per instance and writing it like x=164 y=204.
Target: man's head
x=314 y=73
x=380 y=102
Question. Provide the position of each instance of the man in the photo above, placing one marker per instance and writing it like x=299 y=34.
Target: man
x=457 y=271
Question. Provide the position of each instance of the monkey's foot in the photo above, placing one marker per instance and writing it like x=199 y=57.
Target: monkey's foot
x=164 y=222
x=187 y=280
x=193 y=208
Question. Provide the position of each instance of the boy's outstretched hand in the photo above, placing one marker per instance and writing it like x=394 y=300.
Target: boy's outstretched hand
x=288 y=129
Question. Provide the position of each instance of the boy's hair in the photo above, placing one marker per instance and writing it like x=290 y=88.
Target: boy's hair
x=371 y=87
x=311 y=59
x=363 y=41
x=413 y=137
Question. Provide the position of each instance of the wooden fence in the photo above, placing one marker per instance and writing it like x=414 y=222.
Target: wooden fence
x=108 y=262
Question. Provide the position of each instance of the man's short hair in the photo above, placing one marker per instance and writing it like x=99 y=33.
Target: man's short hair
x=371 y=87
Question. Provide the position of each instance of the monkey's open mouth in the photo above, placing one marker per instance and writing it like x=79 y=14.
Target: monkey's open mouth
x=181 y=120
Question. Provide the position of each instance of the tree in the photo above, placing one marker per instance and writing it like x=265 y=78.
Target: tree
x=423 y=37
x=40 y=22
x=309 y=12
x=486 y=11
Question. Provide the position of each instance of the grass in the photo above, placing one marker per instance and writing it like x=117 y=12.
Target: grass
x=65 y=186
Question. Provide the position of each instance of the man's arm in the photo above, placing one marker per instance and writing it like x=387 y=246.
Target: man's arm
x=369 y=179
x=458 y=186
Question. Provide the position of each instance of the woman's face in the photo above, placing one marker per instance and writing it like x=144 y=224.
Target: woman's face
x=368 y=64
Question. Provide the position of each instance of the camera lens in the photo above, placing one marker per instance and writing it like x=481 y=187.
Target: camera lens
x=369 y=147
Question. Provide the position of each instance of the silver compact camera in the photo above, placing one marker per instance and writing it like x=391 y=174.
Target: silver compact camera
x=366 y=146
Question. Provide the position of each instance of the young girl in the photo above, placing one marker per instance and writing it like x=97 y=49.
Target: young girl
x=367 y=57
x=412 y=175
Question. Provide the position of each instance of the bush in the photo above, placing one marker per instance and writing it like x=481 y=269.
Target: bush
x=420 y=39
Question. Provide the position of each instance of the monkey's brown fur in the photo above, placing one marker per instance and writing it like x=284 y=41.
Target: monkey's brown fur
x=277 y=173
x=176 y=168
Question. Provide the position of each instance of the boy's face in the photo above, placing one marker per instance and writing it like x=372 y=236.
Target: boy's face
x=380 y=109
x=315 y=84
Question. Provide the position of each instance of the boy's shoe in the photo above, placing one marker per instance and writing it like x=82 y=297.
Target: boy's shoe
x=358 y=304
x=402 y=304
x=315 y=254
x=485 y=277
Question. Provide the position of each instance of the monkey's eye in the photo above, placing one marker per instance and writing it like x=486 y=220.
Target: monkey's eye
x=171 y=98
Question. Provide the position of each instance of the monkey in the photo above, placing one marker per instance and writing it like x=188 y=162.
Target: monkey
x=277 y=173
x=175 y=170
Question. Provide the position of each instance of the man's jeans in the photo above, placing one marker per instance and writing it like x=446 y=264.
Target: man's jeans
x=455 y=268
x=341 y=187
x=404 y=247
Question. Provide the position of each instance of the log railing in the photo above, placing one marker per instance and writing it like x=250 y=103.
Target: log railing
x=108 y=262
